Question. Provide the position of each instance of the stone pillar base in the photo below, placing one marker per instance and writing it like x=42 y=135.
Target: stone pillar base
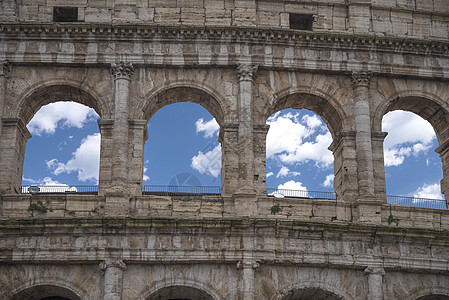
x=245 y=204
x=117 y=203
x=367 y=209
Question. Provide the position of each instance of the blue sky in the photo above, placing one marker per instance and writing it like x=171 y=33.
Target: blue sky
x=182 y=140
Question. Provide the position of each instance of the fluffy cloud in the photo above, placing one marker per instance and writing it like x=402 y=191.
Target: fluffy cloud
x=69 y=114
x=329 y=181
x=408 y=135
x=85 y=160
x=292 y=189
x=429 y=191
x=209 y=162
x=294 y=141
x=209 y=128
x=145 y=176
x=284 y=172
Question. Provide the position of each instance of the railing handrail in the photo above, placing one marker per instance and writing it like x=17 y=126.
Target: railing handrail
x=417 y=202
x=59 y=189
x=302 y=193
x=181 y=190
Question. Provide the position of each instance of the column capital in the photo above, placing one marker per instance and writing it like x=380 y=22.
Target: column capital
x=122 y=70
x=247 y=264
x=247 y=72
x=5 y=68
x=112 y=264
x=361 y=78
x=374 y=271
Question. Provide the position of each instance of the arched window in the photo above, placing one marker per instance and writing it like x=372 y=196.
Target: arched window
x=297 y=153
x=412 y=168
x=180 y=292
x=64 y=150
x=182 y=153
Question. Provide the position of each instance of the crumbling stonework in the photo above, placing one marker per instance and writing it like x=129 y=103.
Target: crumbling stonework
x=242 y=62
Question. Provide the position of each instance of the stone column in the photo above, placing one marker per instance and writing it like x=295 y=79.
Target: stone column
x=138 y=134
x=362 y=119
x=260 y=158
x=122 y=73
x=375 y=282
x=245 y=147
x=378 y=165
x=228 y=138
x=4 y=72
x=113 y=279
x=247 y=267
x=12 y=153
x=106 y=127
x=443 y=151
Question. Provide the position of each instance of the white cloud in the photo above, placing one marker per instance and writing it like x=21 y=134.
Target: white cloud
x=408 y=134
x=208 y=163
x=85 y=160
x=293 y=141
x=145 y=176
x=429 y=191
x=270 y=174
x=284 y=172
x=292 y=185
x=329 y=181
x=69 y=114
x=209 y=128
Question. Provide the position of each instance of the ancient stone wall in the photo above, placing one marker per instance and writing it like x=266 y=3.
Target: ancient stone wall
x=242 y=61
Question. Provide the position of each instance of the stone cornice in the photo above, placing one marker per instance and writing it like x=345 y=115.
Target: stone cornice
x=85 y=31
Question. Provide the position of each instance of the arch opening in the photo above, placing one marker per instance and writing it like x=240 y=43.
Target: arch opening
x=322 y=125
x=297 y=155
x=311 y=293
x=180 y=293
x=182 y=154
x=65 y=148
x=46 y=292
x=434 y=297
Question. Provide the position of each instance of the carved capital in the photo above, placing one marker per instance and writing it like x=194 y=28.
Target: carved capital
x=122 y=70
x=361 y=78
x=5 y=69
x=112 y=264
x=245 y=264
x=374 y=271
x=247 y=72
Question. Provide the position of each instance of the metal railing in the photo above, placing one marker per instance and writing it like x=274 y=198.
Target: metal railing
x=417 y=202
x=167 y=190
x=280 y=193
x=60 y=189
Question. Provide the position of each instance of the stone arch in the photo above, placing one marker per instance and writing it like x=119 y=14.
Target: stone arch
x=303 y=290
x=431 y=108
x=165 y=287
x=55 y=91
x=187 y=92
x=40 y=288
x=428 y=106
x=430 y=293
x=315 y=100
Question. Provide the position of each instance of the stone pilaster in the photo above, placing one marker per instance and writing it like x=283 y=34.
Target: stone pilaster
x=228 y=139
x=113 y=279
x=117 y=197
x=5 y=69
x=247 y=267
x=362 y=119
x=122 y=73
x=246 y=74
x=260 y=158
x=443 y=151
x=138 y=134
x=375 y=282
x=106 y=127
x=12 y=154
x=378 y=164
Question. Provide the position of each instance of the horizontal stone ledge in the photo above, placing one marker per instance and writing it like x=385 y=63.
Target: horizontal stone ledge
x=306 y=65
x=254 y=34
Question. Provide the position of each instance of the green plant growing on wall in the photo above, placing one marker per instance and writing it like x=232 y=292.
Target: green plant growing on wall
x=39 y=207
x=275 y=209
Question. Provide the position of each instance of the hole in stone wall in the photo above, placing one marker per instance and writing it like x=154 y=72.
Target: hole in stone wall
x=65 y=14
x=301 y=21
